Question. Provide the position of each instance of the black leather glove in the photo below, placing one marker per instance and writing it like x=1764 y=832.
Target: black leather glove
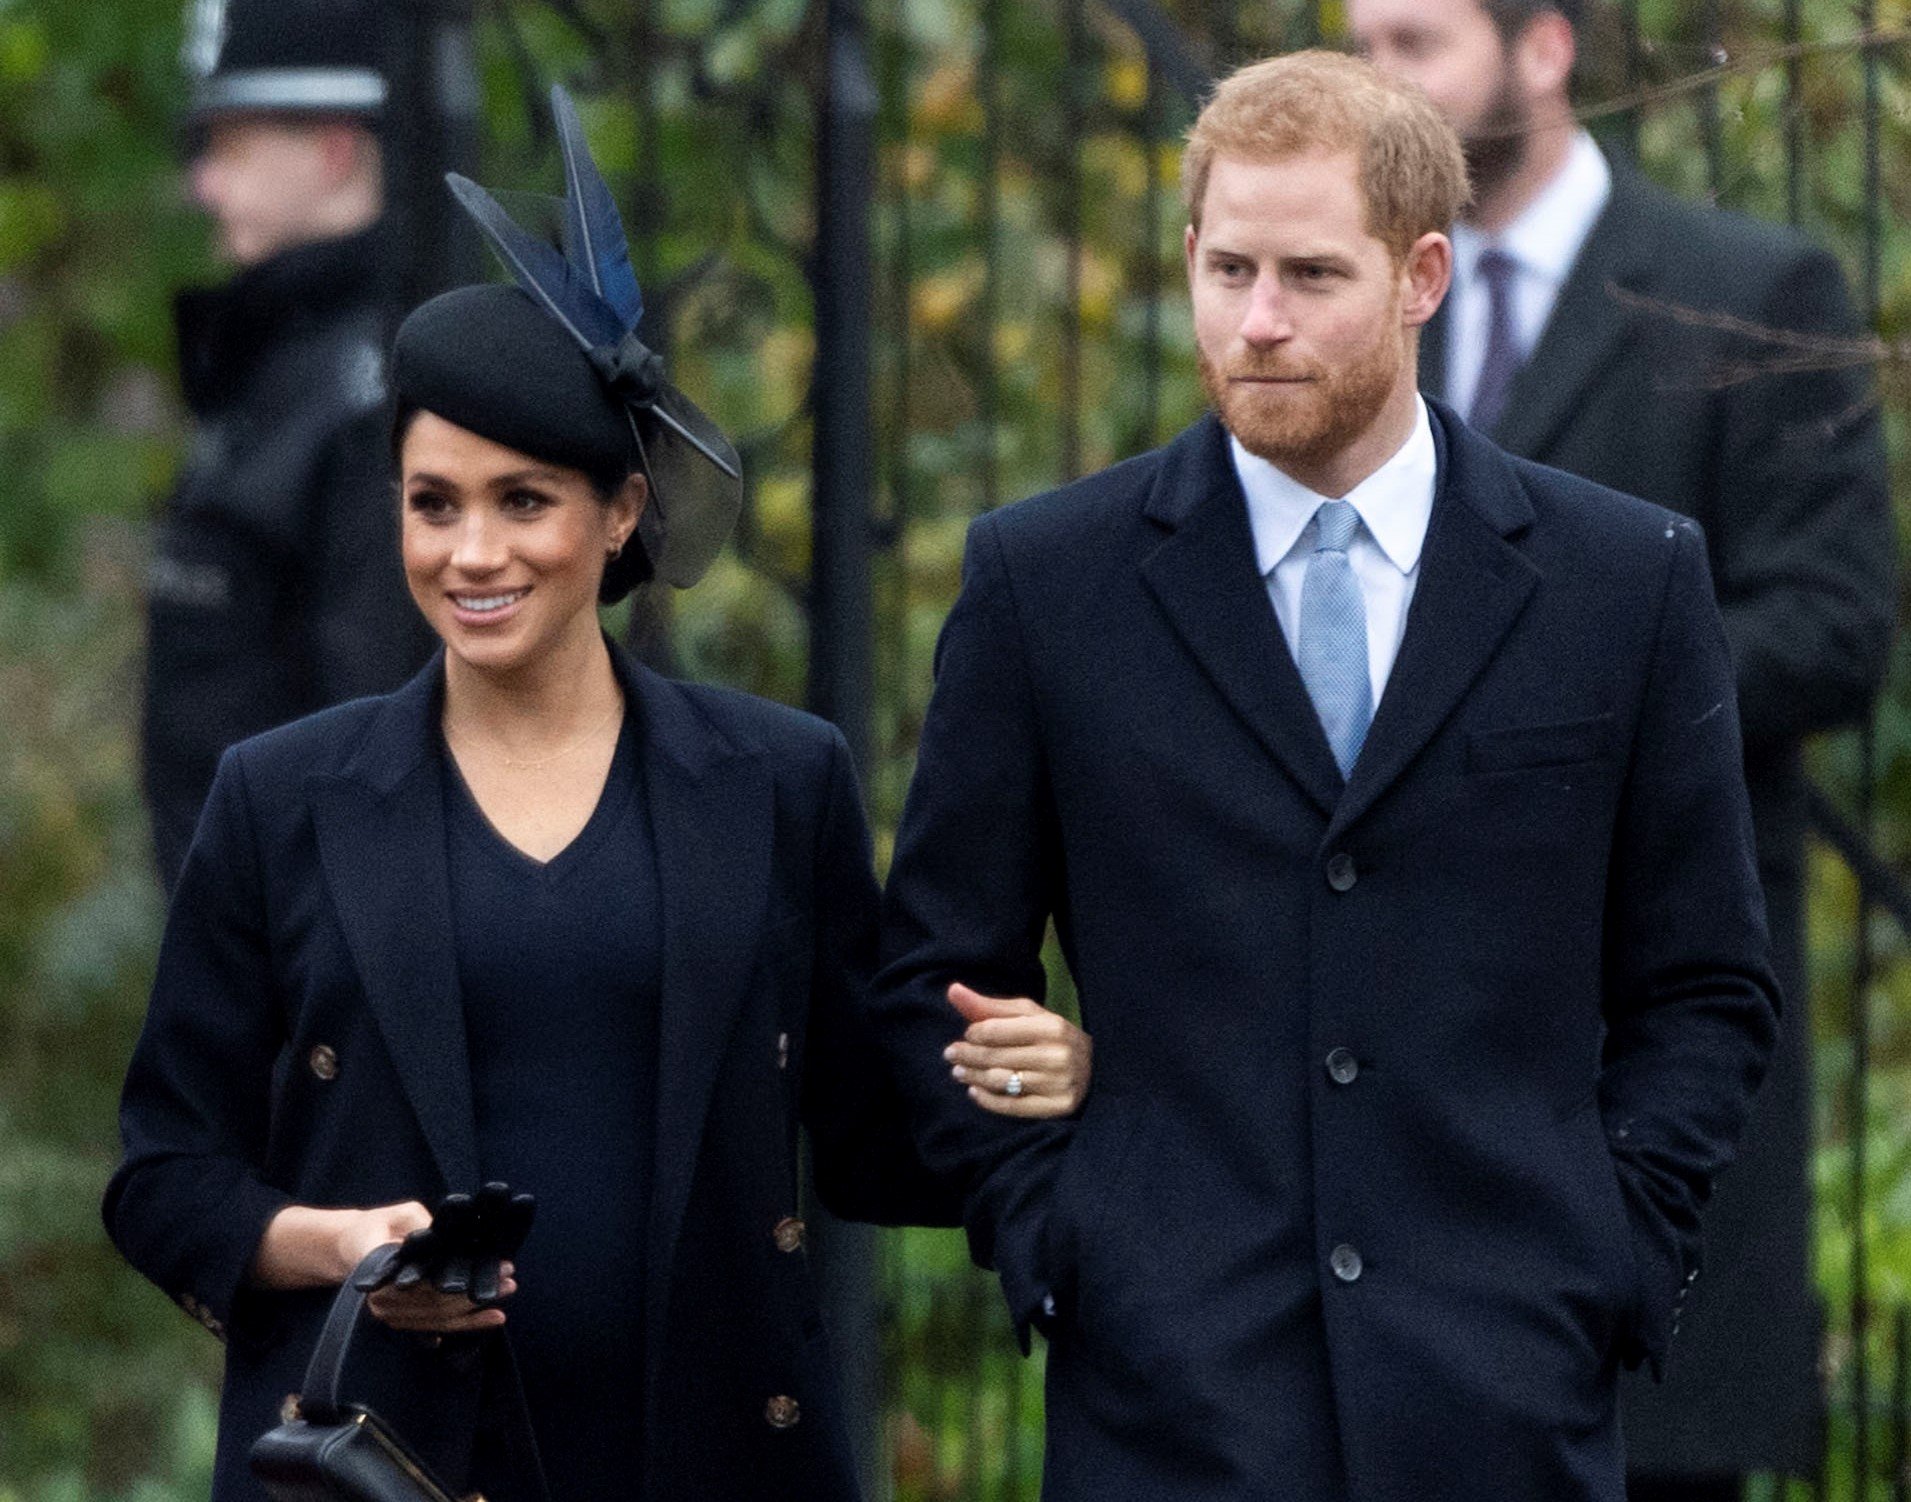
x=465 y=1246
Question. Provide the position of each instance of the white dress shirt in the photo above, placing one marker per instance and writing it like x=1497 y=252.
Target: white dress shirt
x=1395 y=503
x=1544 y=242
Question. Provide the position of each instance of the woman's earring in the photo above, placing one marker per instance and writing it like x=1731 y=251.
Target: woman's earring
x=616 y=552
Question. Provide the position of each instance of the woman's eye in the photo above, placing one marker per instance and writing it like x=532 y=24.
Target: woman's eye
x=429 y=504
x=525 y=501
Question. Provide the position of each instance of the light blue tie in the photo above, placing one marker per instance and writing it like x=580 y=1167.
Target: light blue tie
x=1333 y=635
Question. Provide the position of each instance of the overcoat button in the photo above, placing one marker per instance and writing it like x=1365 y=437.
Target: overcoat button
x=1340 y=872
x=782 y=1413
x=789 y=1234
x=1342 y=1067
x=1346 y=1263
x=782 y=1050
x=324 y=1061
x=289 y=1409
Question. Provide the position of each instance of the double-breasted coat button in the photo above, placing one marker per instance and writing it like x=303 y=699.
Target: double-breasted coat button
x=1346 y=1263
x=782 y=1412
x=789 y=1234
x=323 y=1060
x=289 y=1409
x=1341 y=875
x=1342 y=1067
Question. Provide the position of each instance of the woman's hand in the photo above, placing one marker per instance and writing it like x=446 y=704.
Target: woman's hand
x=429 y=1311
x=1017 y=1057
x=306 y=1247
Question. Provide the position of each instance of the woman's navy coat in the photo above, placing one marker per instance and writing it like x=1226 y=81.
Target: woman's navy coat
x=306 y=1044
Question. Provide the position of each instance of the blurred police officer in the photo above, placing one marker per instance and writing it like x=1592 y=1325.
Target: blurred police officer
x=275 y=587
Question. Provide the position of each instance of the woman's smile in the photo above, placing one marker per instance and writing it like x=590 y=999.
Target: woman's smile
x=484 y=611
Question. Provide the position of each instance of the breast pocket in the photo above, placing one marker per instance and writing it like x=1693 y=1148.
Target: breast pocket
x=1514 y=748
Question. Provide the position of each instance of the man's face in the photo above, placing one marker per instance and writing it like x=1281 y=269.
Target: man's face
x=1298 y=309
x=260 y=178
x=1455 y=53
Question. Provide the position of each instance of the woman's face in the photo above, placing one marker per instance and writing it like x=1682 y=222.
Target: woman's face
x=504 y=552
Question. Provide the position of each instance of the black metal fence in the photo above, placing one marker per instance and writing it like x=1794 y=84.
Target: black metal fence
x=972 y=206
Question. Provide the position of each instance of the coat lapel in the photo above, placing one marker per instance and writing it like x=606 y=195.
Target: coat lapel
x=1473 y=586
x=1205 y=580
x=1587 y=328
x=381 y=839
x=713 y=812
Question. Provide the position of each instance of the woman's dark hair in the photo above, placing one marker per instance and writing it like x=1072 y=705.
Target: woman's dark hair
x=630 y=569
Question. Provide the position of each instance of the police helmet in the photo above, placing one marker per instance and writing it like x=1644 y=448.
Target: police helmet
x=285 y=57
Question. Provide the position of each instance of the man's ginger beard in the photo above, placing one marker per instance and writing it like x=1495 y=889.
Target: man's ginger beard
x=1299 y=427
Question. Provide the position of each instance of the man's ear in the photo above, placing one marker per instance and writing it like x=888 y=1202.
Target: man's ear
x=343 y=148
x=1425 y=275
x=1543 y=56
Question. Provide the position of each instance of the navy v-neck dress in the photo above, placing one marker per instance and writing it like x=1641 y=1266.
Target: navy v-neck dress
x=560 y=964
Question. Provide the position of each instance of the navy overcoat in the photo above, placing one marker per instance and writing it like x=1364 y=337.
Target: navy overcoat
x=306 y=1044
x=1786 y=472
x=1408 y=1092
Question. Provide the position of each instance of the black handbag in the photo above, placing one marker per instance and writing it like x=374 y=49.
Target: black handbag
x=343 y=1452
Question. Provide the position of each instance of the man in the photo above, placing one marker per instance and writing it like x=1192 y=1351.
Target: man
x=275 y=588
x=1385 y=793
x=1568 y=339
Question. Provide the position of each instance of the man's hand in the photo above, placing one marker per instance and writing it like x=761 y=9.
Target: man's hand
x=1017 y=1058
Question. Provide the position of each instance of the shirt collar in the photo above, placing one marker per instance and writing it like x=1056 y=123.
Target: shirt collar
x=1547 y=236
x=1395 y=501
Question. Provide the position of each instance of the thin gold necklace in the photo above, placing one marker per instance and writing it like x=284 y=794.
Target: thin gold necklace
x=544 y=761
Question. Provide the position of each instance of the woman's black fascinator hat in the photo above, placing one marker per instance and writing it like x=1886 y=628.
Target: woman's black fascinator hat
x=552 y=366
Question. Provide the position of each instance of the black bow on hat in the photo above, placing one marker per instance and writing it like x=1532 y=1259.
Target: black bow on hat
x=590 y=290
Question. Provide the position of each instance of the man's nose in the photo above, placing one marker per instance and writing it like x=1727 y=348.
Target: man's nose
x=202 y=181
x=1266 y=321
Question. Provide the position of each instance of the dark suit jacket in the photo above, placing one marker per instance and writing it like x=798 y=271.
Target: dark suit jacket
x=314 y=912
x=1408 y=1092
x=1786 y=473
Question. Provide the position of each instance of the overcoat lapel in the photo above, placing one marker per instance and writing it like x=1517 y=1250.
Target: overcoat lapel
x=1473 y=586
x=1204 y=578
x=381 y=840
x=1587 y=328
x=713 y=812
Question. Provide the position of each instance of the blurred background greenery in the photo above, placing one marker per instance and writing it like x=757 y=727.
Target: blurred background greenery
x=1029 y=326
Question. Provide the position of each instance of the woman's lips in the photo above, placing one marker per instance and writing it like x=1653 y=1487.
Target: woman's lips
x=470 y=607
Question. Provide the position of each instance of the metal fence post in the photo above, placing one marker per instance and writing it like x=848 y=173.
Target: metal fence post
x=841 y=649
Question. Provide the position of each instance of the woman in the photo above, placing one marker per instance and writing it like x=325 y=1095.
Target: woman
x=540 y=916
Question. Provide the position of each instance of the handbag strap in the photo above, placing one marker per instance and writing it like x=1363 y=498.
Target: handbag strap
x=319 y=1402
